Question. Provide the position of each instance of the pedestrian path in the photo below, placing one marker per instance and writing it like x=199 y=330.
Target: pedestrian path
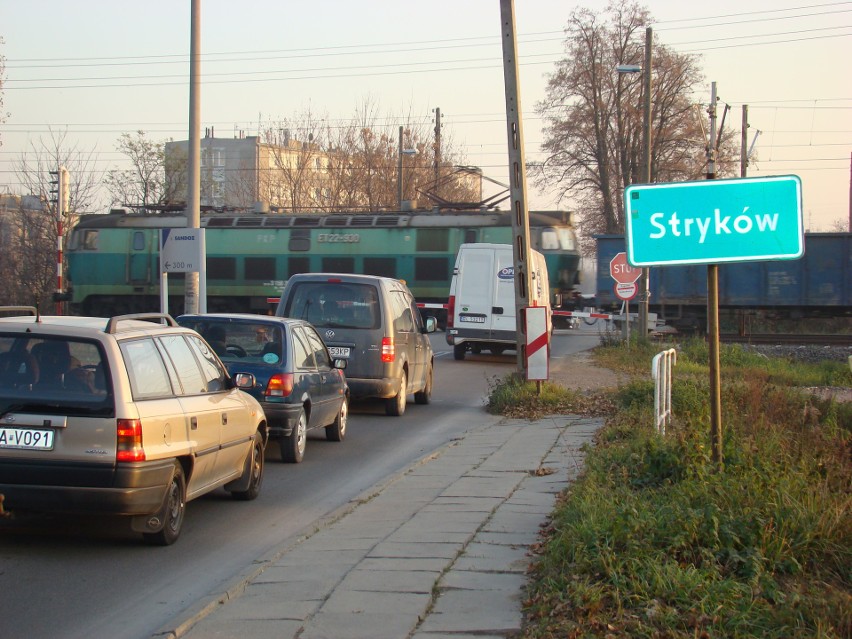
x=439 y=551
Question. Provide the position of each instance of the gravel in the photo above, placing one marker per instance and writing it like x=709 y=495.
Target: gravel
x=803 y=353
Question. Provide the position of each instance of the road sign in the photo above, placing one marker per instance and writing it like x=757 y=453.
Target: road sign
x=625 y=290
x=538 y=344
x=712 y=221
x=181 y=250
x=621 y=271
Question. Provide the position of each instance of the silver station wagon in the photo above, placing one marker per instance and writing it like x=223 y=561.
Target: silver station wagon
x=121 y=416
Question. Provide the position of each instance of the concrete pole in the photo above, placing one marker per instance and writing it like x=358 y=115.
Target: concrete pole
x=644 y=293
x=713 y=313
x=437 y=148
x=517 y=176
x=193 y=196
x=399 y=175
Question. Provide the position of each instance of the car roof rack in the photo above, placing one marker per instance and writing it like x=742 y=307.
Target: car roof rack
x=23 y=310
x=163 y=317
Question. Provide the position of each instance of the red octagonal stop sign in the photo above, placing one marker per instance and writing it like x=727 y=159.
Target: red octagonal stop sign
x=621 y=271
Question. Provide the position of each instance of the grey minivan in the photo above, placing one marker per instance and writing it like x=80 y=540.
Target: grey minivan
x=373 y=323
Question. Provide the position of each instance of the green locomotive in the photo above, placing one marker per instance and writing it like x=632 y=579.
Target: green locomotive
x=113 y=264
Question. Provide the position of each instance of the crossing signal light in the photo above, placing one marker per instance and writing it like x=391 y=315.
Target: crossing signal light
x=54 y=187
x=59 y=189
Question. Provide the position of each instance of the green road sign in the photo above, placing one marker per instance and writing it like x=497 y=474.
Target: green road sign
x=738 y=220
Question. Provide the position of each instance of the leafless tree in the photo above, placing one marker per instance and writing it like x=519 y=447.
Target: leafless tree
x=146 y=182
x=33 y=229
x=593 y=115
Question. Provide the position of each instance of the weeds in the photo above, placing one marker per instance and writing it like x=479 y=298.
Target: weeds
x=654 y=541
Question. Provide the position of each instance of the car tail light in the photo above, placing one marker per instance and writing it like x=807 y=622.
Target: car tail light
x=388 y=349
x=280 y=385
x=451 y=311
x=129 y=446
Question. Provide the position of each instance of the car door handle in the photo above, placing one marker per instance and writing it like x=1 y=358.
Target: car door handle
x=224 y=419
x=193 y=423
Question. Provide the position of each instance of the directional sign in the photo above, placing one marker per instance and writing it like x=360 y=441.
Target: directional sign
x=711 y=221
x=181 y=250
x=621 y=271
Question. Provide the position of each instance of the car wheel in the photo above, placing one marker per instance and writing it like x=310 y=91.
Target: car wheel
x=458 y=351
x=425 y=396
x=497 y=350
x=175 y=511
x=336 y=432
x=254 y=465
x=395 y=406
x=293 y=447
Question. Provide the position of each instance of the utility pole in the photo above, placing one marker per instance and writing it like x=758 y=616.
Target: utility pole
x=437 y=148
x=744 y=143
x=713 y=311
x=517 y=176
x=193 y=196
x=399 y=174
x=644 y=293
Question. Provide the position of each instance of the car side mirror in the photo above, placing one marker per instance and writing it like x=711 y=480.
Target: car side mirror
x=244 y=380
x=431 y=324
x=340 y=363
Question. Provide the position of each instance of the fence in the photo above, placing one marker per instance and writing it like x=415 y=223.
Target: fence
x=661 y=371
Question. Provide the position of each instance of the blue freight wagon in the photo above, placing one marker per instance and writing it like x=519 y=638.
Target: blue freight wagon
x=817 y=285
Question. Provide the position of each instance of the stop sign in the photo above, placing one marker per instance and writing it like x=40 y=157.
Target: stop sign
x=621 y=271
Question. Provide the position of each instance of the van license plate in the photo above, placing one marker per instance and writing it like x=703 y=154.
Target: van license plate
x=26 y=438
x=338 y=351
x=476 y=319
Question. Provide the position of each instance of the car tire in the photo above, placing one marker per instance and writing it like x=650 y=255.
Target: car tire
x=395 y=406
x=293 y=446
x=497 y=350
x=458 y=351
x=255 y=468
x=175 y=511
x=425 y=396
x=336 y=432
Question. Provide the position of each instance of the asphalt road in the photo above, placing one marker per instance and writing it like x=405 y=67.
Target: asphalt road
x=69 y=577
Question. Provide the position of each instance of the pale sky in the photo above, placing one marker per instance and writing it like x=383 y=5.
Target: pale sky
x=94 y=69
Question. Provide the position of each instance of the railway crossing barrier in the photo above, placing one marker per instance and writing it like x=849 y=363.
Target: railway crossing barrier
x=661 y=372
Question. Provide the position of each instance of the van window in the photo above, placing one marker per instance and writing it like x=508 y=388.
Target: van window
x=402 y=321
x=335 y=304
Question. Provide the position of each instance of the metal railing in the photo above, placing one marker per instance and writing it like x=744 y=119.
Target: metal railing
x=661 y=371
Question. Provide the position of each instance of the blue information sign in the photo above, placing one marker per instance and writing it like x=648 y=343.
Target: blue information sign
x=712 y=221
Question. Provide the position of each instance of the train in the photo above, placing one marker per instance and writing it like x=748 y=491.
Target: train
x=818 y=285
x=113 y=263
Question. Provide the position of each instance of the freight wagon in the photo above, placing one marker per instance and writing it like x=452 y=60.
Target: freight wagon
x=817 y=285
x=113 y=259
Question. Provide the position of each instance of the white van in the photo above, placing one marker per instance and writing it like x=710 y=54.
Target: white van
x=481 y=308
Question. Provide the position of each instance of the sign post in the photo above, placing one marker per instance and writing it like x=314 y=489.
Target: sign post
x=625 y=288
x=182 y=251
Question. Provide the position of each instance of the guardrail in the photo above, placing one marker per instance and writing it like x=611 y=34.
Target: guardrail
x=661 y=372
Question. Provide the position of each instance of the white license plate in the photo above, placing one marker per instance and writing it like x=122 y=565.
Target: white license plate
x=476 y=319
x=26 y=438
x=338 y=351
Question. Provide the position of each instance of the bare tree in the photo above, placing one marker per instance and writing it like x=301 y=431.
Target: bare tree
x=593 y=115
x=146 y=182
x=34 y=227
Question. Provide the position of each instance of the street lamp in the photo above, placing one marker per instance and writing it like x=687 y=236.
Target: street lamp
x=646 y=161
x=402 y=152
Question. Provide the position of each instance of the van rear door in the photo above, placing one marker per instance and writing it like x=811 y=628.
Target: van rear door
x=502 y=282
x=475 y=289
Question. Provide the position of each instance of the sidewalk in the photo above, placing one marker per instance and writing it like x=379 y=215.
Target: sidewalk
x=439 y=551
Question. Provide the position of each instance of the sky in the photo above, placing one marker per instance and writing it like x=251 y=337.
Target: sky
x=93 y=69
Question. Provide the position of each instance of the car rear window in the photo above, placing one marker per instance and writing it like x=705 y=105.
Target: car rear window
x=335 y=304
x=241 y=341
x=62 y=372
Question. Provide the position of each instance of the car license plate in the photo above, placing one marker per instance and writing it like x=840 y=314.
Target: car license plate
x=26 y=438
x=476 y=319
x=338 y=351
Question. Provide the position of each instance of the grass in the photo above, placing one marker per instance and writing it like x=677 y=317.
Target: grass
x=654 y=541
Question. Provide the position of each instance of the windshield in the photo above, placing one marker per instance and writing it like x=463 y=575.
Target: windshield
x=53 y=374
x=335 y=304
